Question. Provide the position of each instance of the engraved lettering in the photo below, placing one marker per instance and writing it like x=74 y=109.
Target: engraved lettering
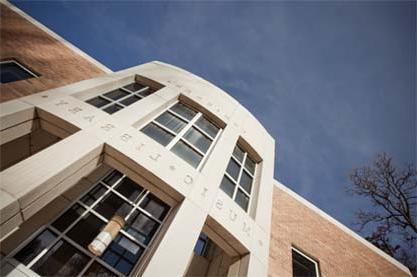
x=172 y=167
x=75 y=110
x=61 y=102
x=107 y=127
x=199 y=97
x=219 y=204
x=246 y=229
x=232 y=215
x=140 y=146
x=209 y=104
x=188 y=179
x=155 y=157
x=260 y=243
x=125 y=137
x=204 y=192
x=89 y=118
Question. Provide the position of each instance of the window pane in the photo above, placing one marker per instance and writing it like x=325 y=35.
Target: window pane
x=141 y=227
x=116 y=94
x=146 y=92
x=65 y=220
x=113 y=205
x=250 y=165
x=186 y=153
x=98 y=102
x=207 y=126
x=129 y=189
x=154 y=206
x=246 y=181
x=171 y=122
x=93 y=195
x=86 y=230
x=301 y=266
x=134 y=87
x=233 y=169
x=184 y=111
x=130 y=100
x=197 y=139
x=242 y=199
x=62 y=260
x=11 y=72
x=227 y=186
x=97 y=270
x=122 y=254
x=112 y=109
x=238 y=153
x=113 y=177
x=157 y=134
x=30 y=251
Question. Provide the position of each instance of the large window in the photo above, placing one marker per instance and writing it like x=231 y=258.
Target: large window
x=120 y=98
x=303 y=266
x=11 y=71
x=184 y=131
x=238 y=179
x=60 y=248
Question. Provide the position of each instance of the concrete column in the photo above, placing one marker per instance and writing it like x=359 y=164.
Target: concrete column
x=175 y=250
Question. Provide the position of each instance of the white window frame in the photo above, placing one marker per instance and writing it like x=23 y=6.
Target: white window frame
x=316 y=264
x=237 y=183
x=90 y=209
x=180 y=136
x=34 y=75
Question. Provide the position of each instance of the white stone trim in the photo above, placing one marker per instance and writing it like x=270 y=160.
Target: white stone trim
x=57 y=37
x=342 y=227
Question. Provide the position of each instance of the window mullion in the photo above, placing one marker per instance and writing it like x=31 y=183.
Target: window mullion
x=183 y=131
x=213 y=143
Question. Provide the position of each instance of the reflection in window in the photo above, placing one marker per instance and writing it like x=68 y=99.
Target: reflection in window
x=303 y=266
x=11 y=71
x=202 y=246
x=61 y=248
x=117 y=99
x=238 y=179
x=185 y=132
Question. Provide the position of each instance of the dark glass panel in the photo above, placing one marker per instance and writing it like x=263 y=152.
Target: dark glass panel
x=98 y=102
x=154 y=206
x=242 y=199
x=32 y=249
x=187 y=153
x=112 y=109
x=238 y=153
x=122 y=254
x=146 y=92
x=233 y=169
x=158 y=134
x=301 y=266
x=227 y=186
x=113 y=205
x=129 y=189
x=250 y=165
x=116 y=94
x=86 y=230
x=246 y=182
x=62 y=259
x=93 y=195
x=197 y=139
x=97 y=270
x=112 y=177
x=130 y=100
x=184 y=111
x=134 y=87
x=171 y=122
x=11 y=72
x=207 y=126
x=141 y=227
x=65 y=220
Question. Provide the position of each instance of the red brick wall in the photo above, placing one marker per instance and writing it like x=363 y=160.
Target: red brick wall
x=338 y=253
x=57 y=64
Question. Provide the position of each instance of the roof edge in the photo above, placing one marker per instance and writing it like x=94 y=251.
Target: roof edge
x=57 y=37
x=341 y=226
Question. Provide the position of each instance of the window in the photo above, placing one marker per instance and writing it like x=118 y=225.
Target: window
x=238 y=179
x=12 y=71
x=202 y=246
x=303 y=266
x=186 y=132
x=60 y=249
x=117 y=99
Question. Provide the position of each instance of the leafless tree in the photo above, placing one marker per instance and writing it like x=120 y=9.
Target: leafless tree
x=393 y=194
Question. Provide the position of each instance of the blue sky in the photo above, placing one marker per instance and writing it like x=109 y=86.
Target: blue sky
x=333 y=82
